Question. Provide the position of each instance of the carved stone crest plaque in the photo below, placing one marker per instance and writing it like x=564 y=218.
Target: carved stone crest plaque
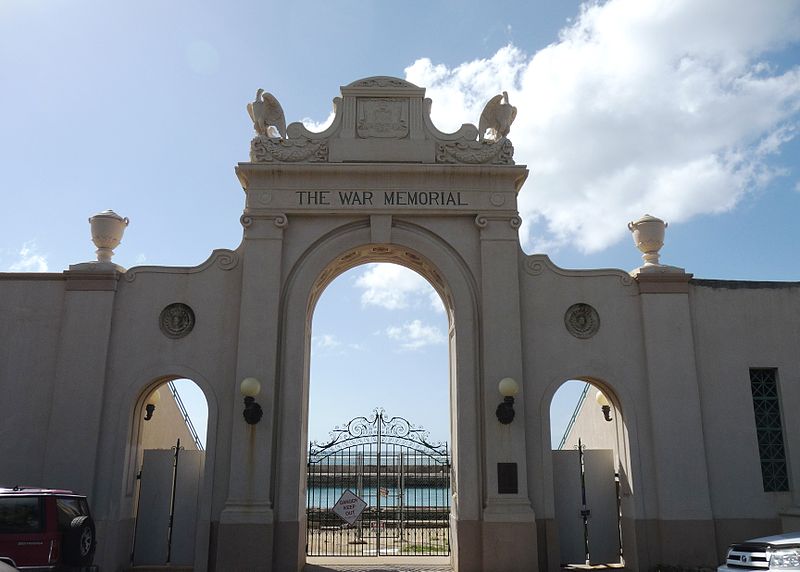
x=582 y=321
x=382 y=117
x=176 y=320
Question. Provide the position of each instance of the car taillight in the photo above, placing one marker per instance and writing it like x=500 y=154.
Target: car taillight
x=52 y=556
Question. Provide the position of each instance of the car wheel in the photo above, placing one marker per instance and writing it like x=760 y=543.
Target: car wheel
x=79 y=542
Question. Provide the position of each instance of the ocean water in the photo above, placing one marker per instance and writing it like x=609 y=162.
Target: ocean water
x=326 y=497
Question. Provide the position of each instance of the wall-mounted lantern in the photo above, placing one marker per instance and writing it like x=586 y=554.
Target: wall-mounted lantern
x=151 y=403
x=250 y=388
x=602 y=401
x=508 y=389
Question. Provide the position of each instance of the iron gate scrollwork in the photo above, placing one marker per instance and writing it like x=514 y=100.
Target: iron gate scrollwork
x=404 y=479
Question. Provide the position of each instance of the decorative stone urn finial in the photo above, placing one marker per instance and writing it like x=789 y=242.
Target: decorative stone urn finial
x=648 y=236
x=107 y=230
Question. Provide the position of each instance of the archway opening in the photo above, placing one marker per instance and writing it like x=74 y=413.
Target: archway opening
x=172 y=427
x=590 y=473
x=379 y=422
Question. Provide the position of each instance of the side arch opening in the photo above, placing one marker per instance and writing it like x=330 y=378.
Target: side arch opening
x=592 y=482
x=169 y=451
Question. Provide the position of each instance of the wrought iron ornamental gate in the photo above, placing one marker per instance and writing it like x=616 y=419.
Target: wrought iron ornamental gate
x=404 y=480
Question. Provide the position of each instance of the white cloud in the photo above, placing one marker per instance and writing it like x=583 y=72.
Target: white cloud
x=665 y=107
x=415 y=335
x=395 y=287
x=325 y=341
x=29 y=259
x=329 y=344
x=318 y=126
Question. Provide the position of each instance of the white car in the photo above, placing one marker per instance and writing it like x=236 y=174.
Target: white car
x=781 y=552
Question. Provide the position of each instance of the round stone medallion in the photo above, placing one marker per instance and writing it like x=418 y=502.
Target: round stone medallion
x=176 y=320
x=582 y=320
x=497 y=199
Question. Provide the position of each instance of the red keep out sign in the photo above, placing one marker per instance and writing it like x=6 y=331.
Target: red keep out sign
x=349 y=507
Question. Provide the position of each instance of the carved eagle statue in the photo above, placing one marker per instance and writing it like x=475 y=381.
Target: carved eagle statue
x=266 y=112
x=498 y=115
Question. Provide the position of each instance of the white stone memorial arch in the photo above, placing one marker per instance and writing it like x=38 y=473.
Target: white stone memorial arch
x=383 y=184
x=688 y=365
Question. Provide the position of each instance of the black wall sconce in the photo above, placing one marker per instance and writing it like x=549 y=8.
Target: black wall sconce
x=250 y=388
x=150 y=406
x=602 y=401
x=508 y=389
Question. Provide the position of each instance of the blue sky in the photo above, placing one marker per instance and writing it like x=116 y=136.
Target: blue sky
x=687 y=110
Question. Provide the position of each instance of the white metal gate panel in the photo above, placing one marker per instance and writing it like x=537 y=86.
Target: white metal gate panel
x=601 y=498
x=155 y=502
x=567 y=481
x=601 y=502
x=184 y=526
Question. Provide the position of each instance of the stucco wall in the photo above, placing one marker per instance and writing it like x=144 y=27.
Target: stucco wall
x=51 y=332
x=674 y=361
x=81 y=350
x=30 y=321
x=738 y=326
x=141 y=357
x=612 y=359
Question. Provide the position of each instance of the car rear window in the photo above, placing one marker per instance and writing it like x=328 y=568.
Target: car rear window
x=69 y=508
x=20 y=515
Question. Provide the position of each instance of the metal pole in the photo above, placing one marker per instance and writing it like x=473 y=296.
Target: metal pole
x=449 y=492
x=378 y=488
x=310 y=516
x=584 y=511
x=138 y=504
x=619 y=516
x=401 y=481
x=172 y=500
x=360 y=492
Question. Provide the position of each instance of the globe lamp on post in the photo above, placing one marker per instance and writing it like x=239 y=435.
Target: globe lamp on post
x=250 y=388
x=508 y=389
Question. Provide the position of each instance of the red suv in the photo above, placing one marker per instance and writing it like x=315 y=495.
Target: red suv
x=46 y=529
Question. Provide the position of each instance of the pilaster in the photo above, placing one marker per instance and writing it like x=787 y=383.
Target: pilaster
x=686 y=527
x=509 y=531
x=246 y=522
x=80 y=378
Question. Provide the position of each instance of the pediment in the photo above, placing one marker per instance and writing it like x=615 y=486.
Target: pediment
x=377 y=119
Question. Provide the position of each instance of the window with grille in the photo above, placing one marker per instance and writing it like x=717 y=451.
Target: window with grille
x=767 y=410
